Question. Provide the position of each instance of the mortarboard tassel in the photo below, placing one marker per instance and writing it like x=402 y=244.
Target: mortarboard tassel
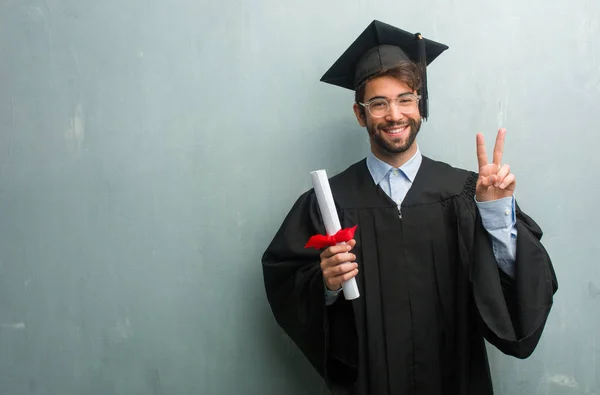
x=423 y=104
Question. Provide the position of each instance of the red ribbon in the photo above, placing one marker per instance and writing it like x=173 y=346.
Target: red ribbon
x=321 y=241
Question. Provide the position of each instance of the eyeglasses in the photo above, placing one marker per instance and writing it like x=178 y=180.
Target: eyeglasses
x=407 y=103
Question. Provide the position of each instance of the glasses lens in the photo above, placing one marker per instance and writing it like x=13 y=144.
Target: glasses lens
x=378 y=107
x=407 y=103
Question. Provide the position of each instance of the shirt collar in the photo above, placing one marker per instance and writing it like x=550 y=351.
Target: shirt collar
x=379 y=169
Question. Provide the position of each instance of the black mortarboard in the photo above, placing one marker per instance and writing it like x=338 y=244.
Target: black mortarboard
x=381 y=47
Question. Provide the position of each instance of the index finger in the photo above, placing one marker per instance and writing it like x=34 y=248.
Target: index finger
x=482 y=158
x=499 y=146
x=336 y=249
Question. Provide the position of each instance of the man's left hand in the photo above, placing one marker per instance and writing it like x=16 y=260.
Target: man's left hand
x=495 y=179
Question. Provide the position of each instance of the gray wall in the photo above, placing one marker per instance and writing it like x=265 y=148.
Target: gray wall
x=150 y=149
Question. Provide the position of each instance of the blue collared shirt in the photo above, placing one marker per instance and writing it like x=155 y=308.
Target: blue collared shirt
x=498 y=216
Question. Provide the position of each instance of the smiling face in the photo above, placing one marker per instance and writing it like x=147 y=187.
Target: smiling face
x=392 y=136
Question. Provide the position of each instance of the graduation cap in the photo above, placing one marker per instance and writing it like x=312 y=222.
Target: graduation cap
x=381 y=47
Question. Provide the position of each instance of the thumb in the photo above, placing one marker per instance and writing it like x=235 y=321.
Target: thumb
x=488 y=181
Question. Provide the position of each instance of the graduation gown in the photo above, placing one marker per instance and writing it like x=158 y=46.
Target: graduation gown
x=431 y=290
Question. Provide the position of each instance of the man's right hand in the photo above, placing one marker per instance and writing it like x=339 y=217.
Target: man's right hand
x=338 y=266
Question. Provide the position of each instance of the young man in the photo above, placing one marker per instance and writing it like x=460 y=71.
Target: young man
x=443 y=258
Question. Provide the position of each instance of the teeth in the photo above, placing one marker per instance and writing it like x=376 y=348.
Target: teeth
x=395 y=130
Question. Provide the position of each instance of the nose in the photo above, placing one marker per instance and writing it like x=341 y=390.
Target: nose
x=394 y=114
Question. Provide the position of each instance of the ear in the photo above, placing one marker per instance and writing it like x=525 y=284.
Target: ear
x=358 y=111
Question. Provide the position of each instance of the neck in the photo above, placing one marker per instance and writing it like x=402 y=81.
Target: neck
x=394 y=159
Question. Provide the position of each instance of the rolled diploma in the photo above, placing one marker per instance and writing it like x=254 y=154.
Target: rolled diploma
x=331 y=221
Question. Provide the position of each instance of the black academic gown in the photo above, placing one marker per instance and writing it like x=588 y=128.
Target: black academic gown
x=431 y=290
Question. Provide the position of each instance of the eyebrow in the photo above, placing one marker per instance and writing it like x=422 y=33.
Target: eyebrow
x=383 y=97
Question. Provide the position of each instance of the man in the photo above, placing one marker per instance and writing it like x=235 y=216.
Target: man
x=443 y=258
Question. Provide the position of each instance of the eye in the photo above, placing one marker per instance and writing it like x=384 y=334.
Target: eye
x=375 y=104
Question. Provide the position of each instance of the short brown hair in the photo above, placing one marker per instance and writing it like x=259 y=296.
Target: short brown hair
x=406 y=71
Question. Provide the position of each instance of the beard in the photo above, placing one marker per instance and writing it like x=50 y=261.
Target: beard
x=377 y=134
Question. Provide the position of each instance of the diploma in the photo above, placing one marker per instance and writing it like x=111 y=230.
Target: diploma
x=331 y=221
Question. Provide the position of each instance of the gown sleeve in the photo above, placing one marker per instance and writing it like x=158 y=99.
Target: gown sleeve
x=513 y=311
x=296 y=294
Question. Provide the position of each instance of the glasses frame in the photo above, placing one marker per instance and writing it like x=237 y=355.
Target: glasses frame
x=389 y=106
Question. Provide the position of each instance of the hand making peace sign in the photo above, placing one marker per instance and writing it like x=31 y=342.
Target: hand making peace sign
x=495 y=180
